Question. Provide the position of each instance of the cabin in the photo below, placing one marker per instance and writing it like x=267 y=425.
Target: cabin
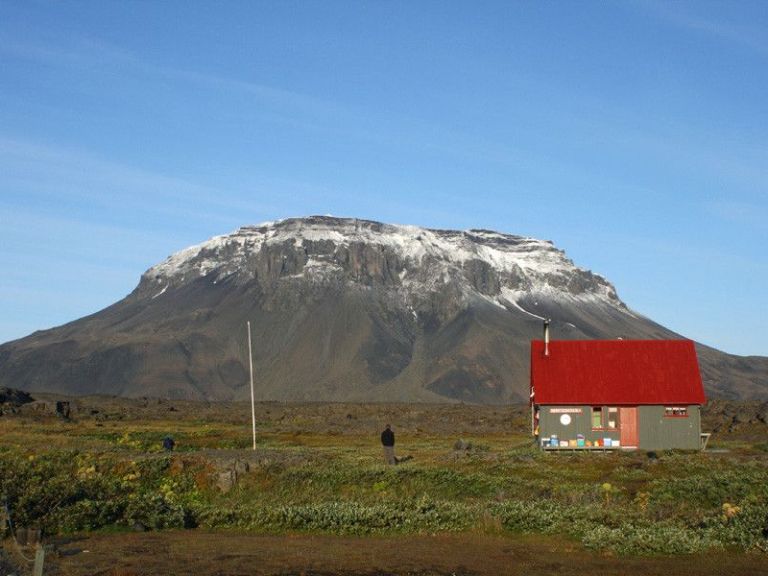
x=616 y=394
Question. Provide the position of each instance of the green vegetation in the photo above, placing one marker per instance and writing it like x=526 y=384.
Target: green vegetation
x=91 y=478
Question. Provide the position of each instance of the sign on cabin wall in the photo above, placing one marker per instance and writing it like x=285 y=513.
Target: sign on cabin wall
x=565 y=410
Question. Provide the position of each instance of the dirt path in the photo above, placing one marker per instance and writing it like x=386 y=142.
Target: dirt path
x=201 y=553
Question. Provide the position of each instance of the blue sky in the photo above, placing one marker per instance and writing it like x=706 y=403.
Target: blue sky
x=633 y=134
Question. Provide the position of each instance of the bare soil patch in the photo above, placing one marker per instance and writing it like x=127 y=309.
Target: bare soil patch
x=201 y=553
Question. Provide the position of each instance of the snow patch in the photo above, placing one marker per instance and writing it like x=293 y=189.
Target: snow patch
x=161 y=292
x=430 y=258
x=511 y=297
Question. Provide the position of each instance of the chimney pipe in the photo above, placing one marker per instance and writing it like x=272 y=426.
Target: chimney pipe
x=546 y=336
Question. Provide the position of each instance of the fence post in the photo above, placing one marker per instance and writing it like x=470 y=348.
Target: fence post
x=39 y=559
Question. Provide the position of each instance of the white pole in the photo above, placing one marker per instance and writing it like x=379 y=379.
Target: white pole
x=253 y=402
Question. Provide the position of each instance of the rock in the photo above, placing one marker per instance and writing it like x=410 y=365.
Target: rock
x=462 y=445
x=226 y=480
x=741 y=418
x=14 y=397
x=762 y=413
x=228 y=473
x=63 y=410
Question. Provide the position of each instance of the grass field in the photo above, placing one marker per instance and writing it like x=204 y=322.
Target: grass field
x=317 y=476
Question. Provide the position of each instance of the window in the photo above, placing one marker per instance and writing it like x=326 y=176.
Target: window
x=613 y=418
x=676 y=411
x=597 y=417
x=605 y=418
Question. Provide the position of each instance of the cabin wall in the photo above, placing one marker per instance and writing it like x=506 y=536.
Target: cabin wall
x=660 y=432
x=655 y=430
x=581 y=423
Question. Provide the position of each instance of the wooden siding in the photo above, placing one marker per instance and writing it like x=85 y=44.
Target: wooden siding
x=549 y=424
x=658 y=432
x=655 y=431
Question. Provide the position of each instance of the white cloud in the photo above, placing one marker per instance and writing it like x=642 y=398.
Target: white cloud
x=742 y=34
x=740 y=212
x=52 y=173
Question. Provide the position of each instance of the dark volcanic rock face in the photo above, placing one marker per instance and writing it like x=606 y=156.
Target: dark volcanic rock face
x=14 y=398
x=343 y=309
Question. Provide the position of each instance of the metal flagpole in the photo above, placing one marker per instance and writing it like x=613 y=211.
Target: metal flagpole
x=253 y=402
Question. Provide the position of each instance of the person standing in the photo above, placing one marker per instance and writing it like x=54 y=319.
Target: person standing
x=388 y=442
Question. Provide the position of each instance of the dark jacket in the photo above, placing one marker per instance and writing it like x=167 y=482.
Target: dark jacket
x=388 y=438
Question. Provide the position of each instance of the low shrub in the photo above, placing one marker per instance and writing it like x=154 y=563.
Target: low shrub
x=423 y=514
x=683 y=505
x=649 y=539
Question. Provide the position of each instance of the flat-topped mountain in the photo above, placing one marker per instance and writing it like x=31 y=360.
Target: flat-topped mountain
x=344 y=309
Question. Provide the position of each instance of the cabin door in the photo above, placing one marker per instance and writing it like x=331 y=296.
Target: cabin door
x=628 y=423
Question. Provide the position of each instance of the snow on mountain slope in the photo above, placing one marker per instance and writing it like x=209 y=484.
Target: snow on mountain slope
x=344 y=310
x=423 y=259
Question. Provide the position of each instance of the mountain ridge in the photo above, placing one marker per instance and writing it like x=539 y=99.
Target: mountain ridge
x=345 y=309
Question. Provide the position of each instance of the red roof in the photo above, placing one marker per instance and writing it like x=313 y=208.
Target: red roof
x=621 y=372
